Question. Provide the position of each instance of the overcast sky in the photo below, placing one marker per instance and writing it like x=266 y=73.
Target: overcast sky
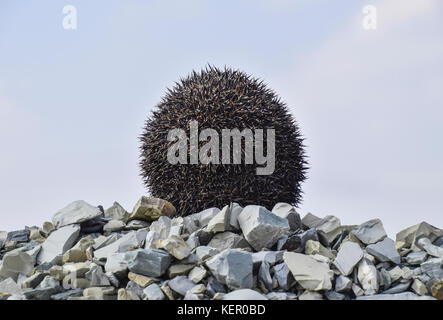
x=369 y=102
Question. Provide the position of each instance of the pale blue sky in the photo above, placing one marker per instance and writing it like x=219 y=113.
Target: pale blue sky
x=73 y=102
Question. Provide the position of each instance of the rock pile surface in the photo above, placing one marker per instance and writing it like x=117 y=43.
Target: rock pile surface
x=87 y=253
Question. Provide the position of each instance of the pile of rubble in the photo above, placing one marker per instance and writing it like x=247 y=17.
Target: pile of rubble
x=251 y=253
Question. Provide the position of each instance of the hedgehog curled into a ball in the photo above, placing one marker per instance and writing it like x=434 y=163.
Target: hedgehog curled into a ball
x=206 y=169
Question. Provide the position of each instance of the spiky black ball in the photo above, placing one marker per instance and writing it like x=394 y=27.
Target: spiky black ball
x=222 y=99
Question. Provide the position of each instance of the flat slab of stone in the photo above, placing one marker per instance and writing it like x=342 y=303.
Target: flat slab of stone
x=148 y=262
x=75 y=213
x=309 y=272
x=371 y=231
x=348 y=256
x=384 y=251
x=58 y=242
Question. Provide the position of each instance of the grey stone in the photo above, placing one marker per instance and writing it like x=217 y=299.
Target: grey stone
x=244 y=294
x=315 y=247
x=384 y=251
x=204 y=253
x=310 y=295
x=58 y=242
x=419 y=287
x=117 y=264
x=400 y=287
x=343 y=284
x=367 y=276
x=197 y=274
x=416 y=258
x=199 y=220
x=18 y=236
x=228 y=240
x=9 y=286
x=297 y=242
x=370 y=232
x=385 y=279
x=181 y=285
x=3 y=236
x=193 y=241
x=310 y=273
x=397 y=296
x=66 y=294
x=310 y=221
x=148 y=262
x=264 y=275
x=176 y=246
x=235 y=209
x=214 y=286
x=75 y=213
x=49 y=282
x=233 y=268
x=133 y=239
x=281 y=296
x=328 y=229
x=260 y=227
x=283 y=275
x=117 y=212
x=15 y=263
x=332 y=295
x=271 y=257
x=153 y=292
x=287 y=211
x=433 y=267
x=411 y=235
x=431 y=249
x=34 y=280
x=137 y=224
x=438 y=242
x=348 y=256
x=41 y=293
x=357 y=290
x=114 y=225
x=97 y=277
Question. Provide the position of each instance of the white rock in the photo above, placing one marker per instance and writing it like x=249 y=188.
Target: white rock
x=384 y=251
x=9 y=286
x=16 y=262
x=244 y=294
x=76 y=212
x=131 y=240
x=58 y=242
x=431 y=249
x=367 y=276
x=233 y=268
x=197 y=274
x=308 y=272
x=287 y=211
x=348 y=256
x=235 y=209
x=117 y=212
x=117 y=264
x=260 y=227
x=220 y=222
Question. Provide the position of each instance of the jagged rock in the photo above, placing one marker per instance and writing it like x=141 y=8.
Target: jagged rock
x=244 y=294
x=117 y=212
x=148 y=262
x=431 y=249
x=117 y=264
x=400 y=287
x=228 y=240
x=181 y=285
x=370 y=232
x=58 y=242
x=34 y=280
x=10 y=287
x=137 y=224
x=197 y=274
x=261 y=227
x=264 y=275
x=410 y=235
x=297 y=242
x=75 y=213
x=271 y=257
x=199 y=220
x=416 y=258
x=310 y=273
x=176 y=246
x=384 y=251
x=348 y=256
x=235 y=209
x=221 y=222
x=343 y=284
x=153 y=292
x=3 y=236
x=204 y=253
x=233 y=268
x=315 y=247
x=18 y=236
x=66 y=294
x=310 y=295
x=179 y=270
x=438 y=242
x=433 y=268
x=357 y=290
x=113 y=226
x=150 y=209
x=419 y=287
x=397 y=296
x=287 y=211
x=131 y=240
x=97 y=277
x=15 y=263
x=142 y=281
x=124 y=294
x=328 y=229
x=283 y=275
x=435 y=286
x=98 y=291
x=367 y=277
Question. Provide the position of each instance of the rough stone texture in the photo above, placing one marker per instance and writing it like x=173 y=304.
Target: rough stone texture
x=176 y=246
x=15 y=263
x=233 y=268
x=261 y=227
x=228 y=240
x=348 y=256
x=422 y=230
x=150 y=209
x=297 y=242
x=287 y=211
x=367 y=276
x=181 y=285
x=153 y=292
x=148 y=262
x=370 y=232
x=58 y=243
x=221 y=221
x=309 y=272
x=117 y=212
x=76 y=212
x=384 y=251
